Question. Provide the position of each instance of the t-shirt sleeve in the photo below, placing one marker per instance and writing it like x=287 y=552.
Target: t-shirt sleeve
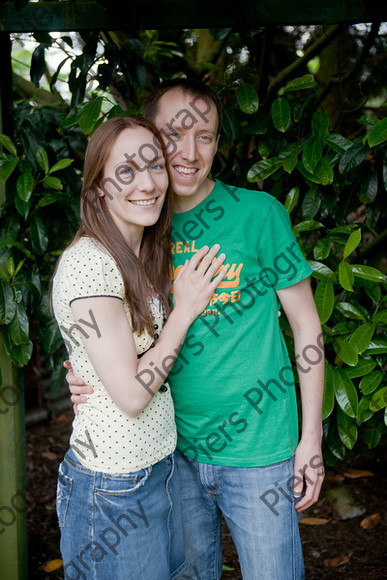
x=90 y=273
x=279 y=254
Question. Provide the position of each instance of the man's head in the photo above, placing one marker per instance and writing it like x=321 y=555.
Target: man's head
x=188 y=115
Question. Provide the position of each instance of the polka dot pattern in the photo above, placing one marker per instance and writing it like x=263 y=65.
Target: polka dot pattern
x=104 y=438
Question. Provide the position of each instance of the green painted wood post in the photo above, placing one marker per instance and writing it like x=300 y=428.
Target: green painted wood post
x=13 y=508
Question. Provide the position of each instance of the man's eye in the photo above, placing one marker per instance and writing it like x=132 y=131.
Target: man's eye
x=205 y=137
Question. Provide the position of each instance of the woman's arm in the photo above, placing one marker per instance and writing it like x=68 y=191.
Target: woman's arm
x=132 y=382
x=300 y=309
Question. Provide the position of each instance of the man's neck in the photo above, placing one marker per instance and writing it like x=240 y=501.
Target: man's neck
x=183 y=203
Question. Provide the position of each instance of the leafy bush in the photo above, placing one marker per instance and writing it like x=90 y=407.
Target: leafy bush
x=275 y=137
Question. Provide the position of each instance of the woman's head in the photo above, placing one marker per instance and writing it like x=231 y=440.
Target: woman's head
x=125 y=174
x=125 y=163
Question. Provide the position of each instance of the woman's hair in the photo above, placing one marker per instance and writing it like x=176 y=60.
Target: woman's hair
x=149 y=273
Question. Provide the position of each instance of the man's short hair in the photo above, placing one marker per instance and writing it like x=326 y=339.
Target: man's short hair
x=190 y=86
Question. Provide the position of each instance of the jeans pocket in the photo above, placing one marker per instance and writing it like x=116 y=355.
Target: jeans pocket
x=125 y=484
x=63 y=493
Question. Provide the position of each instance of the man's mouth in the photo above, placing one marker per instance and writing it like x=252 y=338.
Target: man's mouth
x=185 y=170
x=143 y=202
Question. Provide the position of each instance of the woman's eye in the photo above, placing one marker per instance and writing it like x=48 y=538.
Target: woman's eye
x=175 y=135
x=157 y=167
x=205 y=137
x=126 y=171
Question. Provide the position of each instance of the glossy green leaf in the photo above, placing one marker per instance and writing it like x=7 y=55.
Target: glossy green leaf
x=363 y=411
x=25 y=185
x=300 y=84
x=307 y=226
x=290 y=162
x=376 y=347
x=347 y=429
x=370 y=382
x=349 y=310
x=247 y=98
x=7 y=143
x=338 y=143
x=8 y=167
x=379 y=400
x=373 y=291
x=323 y=172
x=380 y=317
x=311 y=154
x=361 y=338
x=353 y=157
x=61 y=164
x=90 y=115
x=373 y=432
x=311 y=203
x=19 y=327
x=39 y=236
x=230 y=124
x=53 y=182
x=369 y=188
x=329 y=392
x=263 y=169
x=345 y=393
x=324 y=299
x=321 y=271
x=51 y=337
x=322 y=248
x=48 y=199
x=264 y=148
x=42 y=158
x=292 y=199
x=378 y=134
x=7 y=302
x=280 y=112
x=18 y=354
x=345 y=352
x=320 y=125
x=363 y=367
x=352 y=243
x=368 y=273
x=346 y=276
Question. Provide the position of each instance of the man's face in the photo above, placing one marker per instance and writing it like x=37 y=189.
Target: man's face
x=188 y=124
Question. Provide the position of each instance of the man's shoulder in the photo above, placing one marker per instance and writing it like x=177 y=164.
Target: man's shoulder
x=248 y=198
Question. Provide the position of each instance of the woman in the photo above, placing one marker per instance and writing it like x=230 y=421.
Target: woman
x=117 y=490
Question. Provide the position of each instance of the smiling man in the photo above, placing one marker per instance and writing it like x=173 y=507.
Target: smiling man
x=240 y=453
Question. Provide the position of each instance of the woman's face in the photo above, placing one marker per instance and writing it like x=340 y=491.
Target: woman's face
x=135 y=181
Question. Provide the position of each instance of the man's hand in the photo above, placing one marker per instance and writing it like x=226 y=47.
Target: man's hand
x=308 y=473
x=77 y=386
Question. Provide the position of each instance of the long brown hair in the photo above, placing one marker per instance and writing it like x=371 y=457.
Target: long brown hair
x=150 y=271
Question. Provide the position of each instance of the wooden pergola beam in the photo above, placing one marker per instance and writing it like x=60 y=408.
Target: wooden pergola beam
x=76 y=15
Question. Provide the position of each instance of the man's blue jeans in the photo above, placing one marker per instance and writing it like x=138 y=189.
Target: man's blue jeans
x=119 y=527
x=259 y=511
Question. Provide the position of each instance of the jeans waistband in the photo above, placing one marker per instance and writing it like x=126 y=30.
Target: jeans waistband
x=72 y=460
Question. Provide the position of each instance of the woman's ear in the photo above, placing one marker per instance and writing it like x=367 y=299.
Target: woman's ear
x=101 y=193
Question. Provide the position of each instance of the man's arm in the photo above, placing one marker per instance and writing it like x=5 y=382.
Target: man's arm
x=300 y=309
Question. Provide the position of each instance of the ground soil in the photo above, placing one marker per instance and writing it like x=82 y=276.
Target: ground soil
x=336 y=549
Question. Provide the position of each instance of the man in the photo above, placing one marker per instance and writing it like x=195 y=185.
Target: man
x=232 y=383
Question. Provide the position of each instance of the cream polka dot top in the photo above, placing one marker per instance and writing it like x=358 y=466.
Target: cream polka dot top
x=103 y=437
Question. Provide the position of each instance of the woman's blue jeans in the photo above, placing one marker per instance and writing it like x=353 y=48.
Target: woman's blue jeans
x=120 y=527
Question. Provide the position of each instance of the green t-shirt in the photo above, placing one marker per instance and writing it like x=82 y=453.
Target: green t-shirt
x=232 y=383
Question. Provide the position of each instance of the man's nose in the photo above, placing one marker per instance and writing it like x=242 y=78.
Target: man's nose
x=189 y=148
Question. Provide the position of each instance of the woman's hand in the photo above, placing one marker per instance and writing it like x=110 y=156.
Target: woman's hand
x=197 y=280
x=77 y=386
